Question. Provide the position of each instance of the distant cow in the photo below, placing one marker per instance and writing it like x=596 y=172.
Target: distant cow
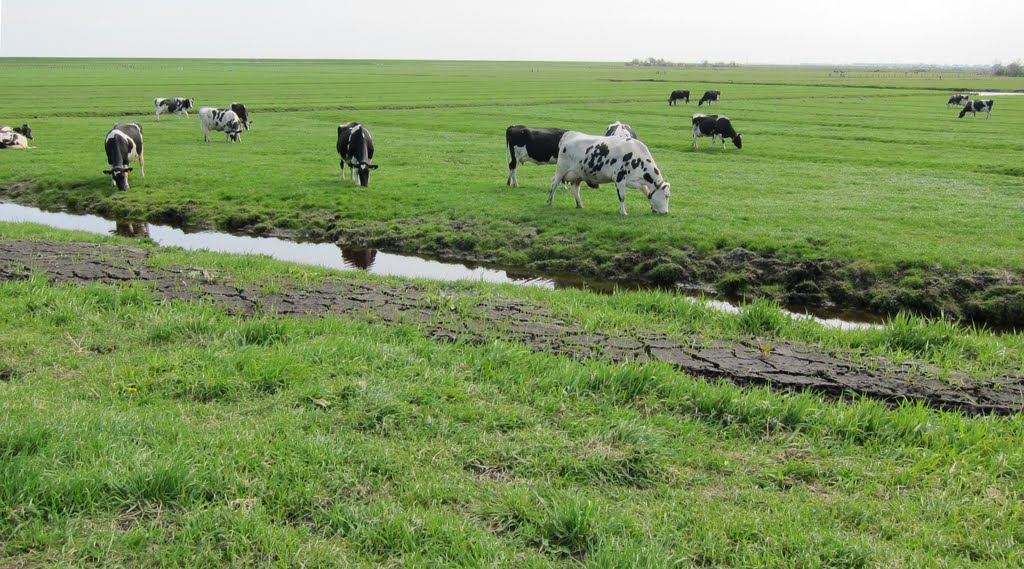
x=243 y=114
x=225 y=121
x=621 y=130
x=683 y=96
x=16 y=137
x=600 y=159
x=355 y=146
x=709 y=97
x=528 y=144
x=715 y=126
x=175 y=105
x=977 y=106
x=957 y=100
x=123 y=144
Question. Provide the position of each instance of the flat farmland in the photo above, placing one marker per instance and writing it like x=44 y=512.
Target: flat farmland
x=866 y=178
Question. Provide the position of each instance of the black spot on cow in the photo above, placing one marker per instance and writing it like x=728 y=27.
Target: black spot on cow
x=650 y=180
x=635 y=163
x=621 y=175
x=627 y=156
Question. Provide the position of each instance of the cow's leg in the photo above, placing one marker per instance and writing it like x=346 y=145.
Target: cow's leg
x=206 y=134
x=576 y=194
x=620 y=188
x=512 y=179
x=341 y=177
x=158 y=109
x=694 y=138
x=554 y=185
x=142 y=166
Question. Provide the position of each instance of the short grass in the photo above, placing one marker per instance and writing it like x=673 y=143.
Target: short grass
x=138 y=433
x=871 y=167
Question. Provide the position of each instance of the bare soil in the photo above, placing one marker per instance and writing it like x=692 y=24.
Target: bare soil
x=785 y=365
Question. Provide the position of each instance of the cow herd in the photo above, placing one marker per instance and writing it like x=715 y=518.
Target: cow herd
x=616 y=157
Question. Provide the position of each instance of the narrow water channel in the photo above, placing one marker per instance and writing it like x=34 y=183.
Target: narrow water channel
x=373 y=261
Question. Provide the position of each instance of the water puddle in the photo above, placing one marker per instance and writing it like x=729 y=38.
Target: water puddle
x=998 y=93
x=373 y=261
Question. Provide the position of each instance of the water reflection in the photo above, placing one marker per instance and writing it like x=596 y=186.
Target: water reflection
x=136 y=229
x=372 y=261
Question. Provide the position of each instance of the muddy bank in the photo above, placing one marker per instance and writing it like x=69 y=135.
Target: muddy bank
x=784 y=365
x=990 y=297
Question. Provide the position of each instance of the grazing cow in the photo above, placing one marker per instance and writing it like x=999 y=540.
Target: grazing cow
x=709 y=97
x=175 y=105
x=715 y=126
x=222 y=120
x=355 y=146
x=957 y=100
x=16 y=137
x=622 y=130
x=243 y=114
x=600 y=159
x=683 y=96
x=975 y=106
x=527 y=144
x=123 y=144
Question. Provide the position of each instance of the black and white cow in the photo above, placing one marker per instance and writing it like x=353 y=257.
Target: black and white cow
x=243 y=114
x=957 y=101
x=709 y=97
x=601 y=159
x=528 y=144
x=977 y=106
x=123 y=144
x=175 y=105
x=355 y=146
x=224 y=120
x=16 y=137
x=683 y=96
x=621 y=130
x=715 y=126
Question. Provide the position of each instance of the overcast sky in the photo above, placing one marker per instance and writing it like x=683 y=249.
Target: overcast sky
x=745 y=31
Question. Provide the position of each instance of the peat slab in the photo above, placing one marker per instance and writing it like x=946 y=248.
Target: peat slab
x=785 y=365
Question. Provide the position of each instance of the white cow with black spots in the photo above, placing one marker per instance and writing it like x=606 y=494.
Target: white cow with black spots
x=225 y=121
x=626 y=162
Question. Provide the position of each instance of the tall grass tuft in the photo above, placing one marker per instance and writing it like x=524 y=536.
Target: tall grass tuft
x=762 y=317
x=922 y=337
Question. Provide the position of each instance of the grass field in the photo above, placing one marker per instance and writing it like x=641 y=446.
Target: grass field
x=870 y=170
x=138 y=433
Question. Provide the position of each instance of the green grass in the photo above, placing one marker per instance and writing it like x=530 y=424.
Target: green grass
x=851 y=169
x=139 y=433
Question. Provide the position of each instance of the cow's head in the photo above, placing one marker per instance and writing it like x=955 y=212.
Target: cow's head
x=659 y=197
x=364 y=173
x=187 y=104
x=738 y=140
x=24 y=130
x=234 y=130
x=119 y=176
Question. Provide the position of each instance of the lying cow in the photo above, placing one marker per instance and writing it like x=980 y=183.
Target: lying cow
x=709 y=97
x=175 y=105
x=243 y=114
x=355 y=146
x=16 y=137
x=957 y=100
x=600 y=159
x=683 y=96
x=977 y=106
x=123 y=144
x=622 y=130
x=222 y=120
x=715 y=126
x=528 y=144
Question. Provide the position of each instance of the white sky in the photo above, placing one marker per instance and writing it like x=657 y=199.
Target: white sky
x=745 y=31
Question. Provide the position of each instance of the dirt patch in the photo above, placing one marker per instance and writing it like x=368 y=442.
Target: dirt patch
x=786 y=366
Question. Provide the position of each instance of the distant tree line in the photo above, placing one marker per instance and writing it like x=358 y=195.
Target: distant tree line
x=659 y=62
x=1015 y=69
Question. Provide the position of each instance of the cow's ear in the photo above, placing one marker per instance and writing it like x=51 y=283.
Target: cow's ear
x=108 y=172
x=374 y=166
x=128 y=169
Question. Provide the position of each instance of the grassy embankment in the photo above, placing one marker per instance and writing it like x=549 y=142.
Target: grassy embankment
x=139 y=433
x=895 y=202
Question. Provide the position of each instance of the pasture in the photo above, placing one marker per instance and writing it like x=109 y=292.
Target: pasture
x=872 y=171
x=137 y=431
